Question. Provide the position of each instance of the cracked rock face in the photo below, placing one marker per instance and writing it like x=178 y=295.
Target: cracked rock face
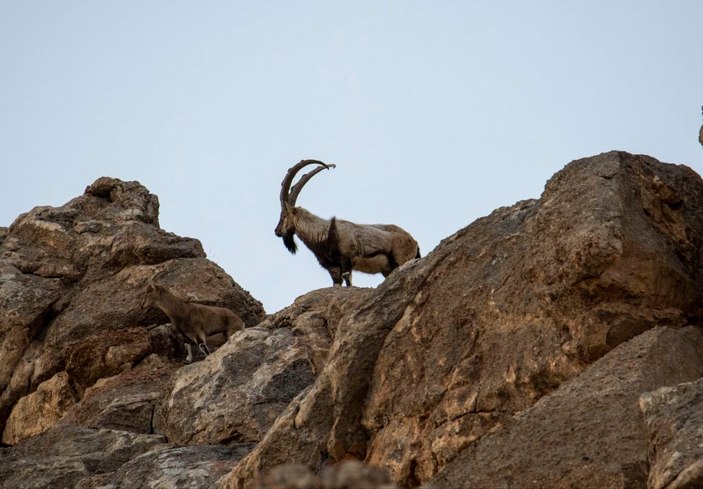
x=533 y=293
x=547 y=341
x=453 y=347
x=589 y=432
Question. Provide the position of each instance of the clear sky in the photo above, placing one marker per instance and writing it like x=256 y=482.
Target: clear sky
x=435 y=112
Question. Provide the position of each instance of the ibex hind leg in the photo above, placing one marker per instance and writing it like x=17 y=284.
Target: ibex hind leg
x=391 y=265
x=392 y=262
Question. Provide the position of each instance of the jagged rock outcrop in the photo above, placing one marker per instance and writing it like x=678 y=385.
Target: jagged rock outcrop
x=498 y=316
x=76 y=347
x=237 y=393
x=553 y=343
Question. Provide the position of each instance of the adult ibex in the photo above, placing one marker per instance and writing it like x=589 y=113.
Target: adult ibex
x=196 y=322
x=340 y=246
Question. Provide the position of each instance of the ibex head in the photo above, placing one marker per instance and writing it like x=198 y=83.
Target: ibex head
x=153 y=292
x=289 y=195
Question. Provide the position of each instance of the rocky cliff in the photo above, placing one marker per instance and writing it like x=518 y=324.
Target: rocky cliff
x=554 y=343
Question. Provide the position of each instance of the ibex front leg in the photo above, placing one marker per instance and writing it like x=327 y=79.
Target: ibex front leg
x=203 y=348
x=336 y=274
x=338 y=277
x=347 y=278
x=203 y=344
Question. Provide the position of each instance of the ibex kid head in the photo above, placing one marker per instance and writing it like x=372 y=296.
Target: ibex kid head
x=289 y=195
x=152 y=293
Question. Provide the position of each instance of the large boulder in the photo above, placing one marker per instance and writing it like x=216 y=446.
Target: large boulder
x=126 y=401
x=498 y=316
x=589 y=432
x=525 y=299
x=40 y=410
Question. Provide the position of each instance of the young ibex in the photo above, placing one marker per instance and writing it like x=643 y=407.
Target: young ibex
x=196 y=322
x=340 y=246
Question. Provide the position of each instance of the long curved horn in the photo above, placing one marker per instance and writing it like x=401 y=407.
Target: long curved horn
x=289 y=195
x=295 y=190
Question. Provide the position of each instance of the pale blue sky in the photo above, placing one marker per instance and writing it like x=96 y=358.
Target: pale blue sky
x=434 y=112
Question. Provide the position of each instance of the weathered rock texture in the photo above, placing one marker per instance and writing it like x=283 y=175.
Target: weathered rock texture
x=64 y=458
x=529 y=349
x=84 y=458
x=589 y=432
x=500 y=315
x=76 y=347
x=674 y=418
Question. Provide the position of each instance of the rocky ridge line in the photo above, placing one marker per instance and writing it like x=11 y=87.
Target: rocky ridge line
x=554 y=342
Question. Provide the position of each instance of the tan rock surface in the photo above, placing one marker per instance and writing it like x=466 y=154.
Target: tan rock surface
x=498 y=316
x=40 y=410
x=516 y=352
x=72 y=280
x=589 y=432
